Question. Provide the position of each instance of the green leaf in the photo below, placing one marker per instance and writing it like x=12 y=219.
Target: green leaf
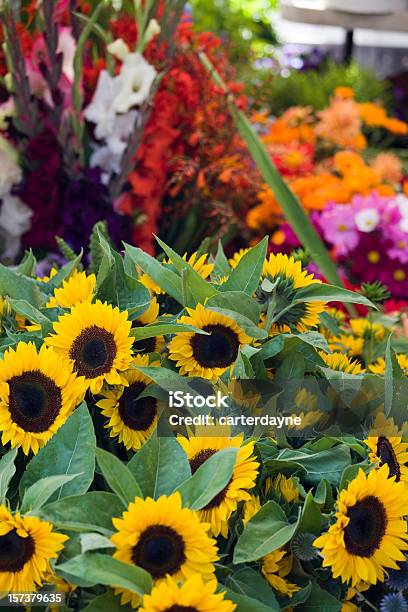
x=7 y=471
x=238 y=302
x=221 y=265
x=311 y=516
x=292 y=341
x=160 y=466
x=19 y=287
x=116 y=286
x=103 y=569
x=160 y=329
x=168 y=280
x=210 y=478
x=321 y=600
x=28 y=265
x=119 y=478
x=292 y=367
x=392 y=372
x=64 y=273
x=31 y=313
x=245 y=277
x=108 y=602
x=70 y=451
x=39 y=493
x=198 y=288
x=245 y=603
x=350 y=472
x=94 y=541
x=317 y=292
x=90 y=512
x=267 y=531
x=327 y=464
x=246 y=581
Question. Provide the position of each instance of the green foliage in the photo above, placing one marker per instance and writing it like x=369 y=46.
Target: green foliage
x=245 y=27
x=315 y=87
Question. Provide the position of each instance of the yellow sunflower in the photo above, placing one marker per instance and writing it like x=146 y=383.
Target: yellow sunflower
x=287 y=276
x=370 y=533
x=390 y=450
x=38 y=391
x=363 y=328
x=95 y=339
x=131 y=419
x=148 y=345
x=199 y=264
x=219 y=510
x=26 y=547
x=207 y=355
x=194 y=595
x=347 y=344
x=285 y=487
x=165 y=539
x=341 y=363
x=275 y=567
x=236 y=258
x=378 y=367
x=78 y=288
x=251 y=507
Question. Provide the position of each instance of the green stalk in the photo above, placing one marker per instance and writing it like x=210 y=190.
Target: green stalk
x=289 y=203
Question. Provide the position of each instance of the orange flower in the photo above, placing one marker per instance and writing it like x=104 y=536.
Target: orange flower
x=344 y=92
x=339 y=123
x=389 y=167
x=396 y=126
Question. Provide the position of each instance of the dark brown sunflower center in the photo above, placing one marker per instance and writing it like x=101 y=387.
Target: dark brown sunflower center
x=177 y=608
x=366 y=528
x=387 y=455
x=147 y=345
x=15 y=551
x=137 y=413
x=160 y=551
x=93 y=352
x=34 y=401
x=219 y=350
x=195 y=463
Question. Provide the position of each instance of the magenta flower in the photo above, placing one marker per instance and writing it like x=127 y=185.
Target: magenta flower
x=339 y=228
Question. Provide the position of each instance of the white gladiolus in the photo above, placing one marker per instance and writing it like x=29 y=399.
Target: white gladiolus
x=10 y=171
x=15 y=220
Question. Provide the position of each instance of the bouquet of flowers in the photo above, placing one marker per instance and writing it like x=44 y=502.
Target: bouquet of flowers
x=116 y=497
x=106 y=114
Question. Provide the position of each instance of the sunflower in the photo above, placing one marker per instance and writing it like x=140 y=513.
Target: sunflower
x=78 y=288
x=275 y=567
x=148 y=345
x=236 y=258
x=38 y=391
x=165 y=539
x=286 y=488
x=362 y=328
x=207 y=355
x=95 y=339
x=378 y=367
x=390 y=450
x=219 y=510
x=347 y=344
x=193 y=596
x=199 y=263
x=26 y=547
x=287 y=276
x=131 y=419
x=341 y=363
x=370 y=532
x=251 y=507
